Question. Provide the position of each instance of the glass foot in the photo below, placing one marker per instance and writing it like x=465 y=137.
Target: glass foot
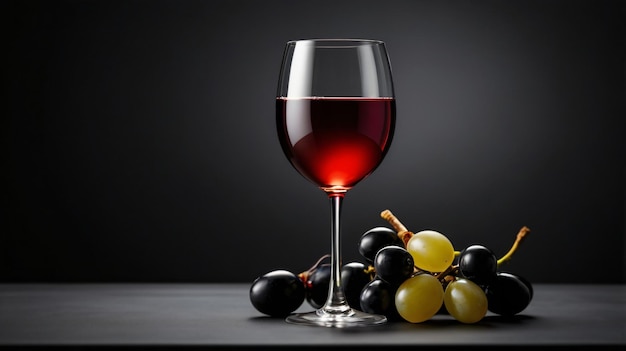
x=350 y=318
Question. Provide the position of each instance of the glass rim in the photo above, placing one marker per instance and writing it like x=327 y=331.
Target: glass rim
x=331 y=41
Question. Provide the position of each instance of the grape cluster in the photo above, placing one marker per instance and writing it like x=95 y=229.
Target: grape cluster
x=280 y=292
x=407 y=277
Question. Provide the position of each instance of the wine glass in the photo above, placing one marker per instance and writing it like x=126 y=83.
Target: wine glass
x=335 y=114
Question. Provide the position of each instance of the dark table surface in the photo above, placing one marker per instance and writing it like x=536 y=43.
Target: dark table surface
x=221 y=315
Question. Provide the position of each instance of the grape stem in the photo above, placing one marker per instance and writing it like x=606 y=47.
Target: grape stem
x=371 y=271
x=518 y=240
x=403 y=233
x=304 y=276
x=453 y=270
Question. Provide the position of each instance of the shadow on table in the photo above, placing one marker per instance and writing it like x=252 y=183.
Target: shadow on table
x=437 y=322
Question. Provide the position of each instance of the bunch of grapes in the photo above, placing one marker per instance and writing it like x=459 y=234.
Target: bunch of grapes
x=280 y=292
x=408 y=277
x=424 y=276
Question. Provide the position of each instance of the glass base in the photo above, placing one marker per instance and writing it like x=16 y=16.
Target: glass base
x=350 y=318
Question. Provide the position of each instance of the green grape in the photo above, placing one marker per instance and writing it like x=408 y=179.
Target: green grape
x=431 y=251
x=465 y=301
x=419 y=298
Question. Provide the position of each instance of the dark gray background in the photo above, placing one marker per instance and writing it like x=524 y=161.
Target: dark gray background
x=140 y=144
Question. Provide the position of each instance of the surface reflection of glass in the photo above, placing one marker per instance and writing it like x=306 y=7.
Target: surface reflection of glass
x=335 y=114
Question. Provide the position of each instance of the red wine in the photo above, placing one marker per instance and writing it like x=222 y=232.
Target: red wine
x=335 y=142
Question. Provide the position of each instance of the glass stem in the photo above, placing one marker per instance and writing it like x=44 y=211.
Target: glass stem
x=336 y=302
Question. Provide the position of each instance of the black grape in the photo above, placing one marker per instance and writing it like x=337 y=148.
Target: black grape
x=277 y=293
x=393 y=264
x=375 y=239
x=528 y=285
x=507 y=295
x=378 y=297
x=317 y=286
x=354 y=276
x=478 y=264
